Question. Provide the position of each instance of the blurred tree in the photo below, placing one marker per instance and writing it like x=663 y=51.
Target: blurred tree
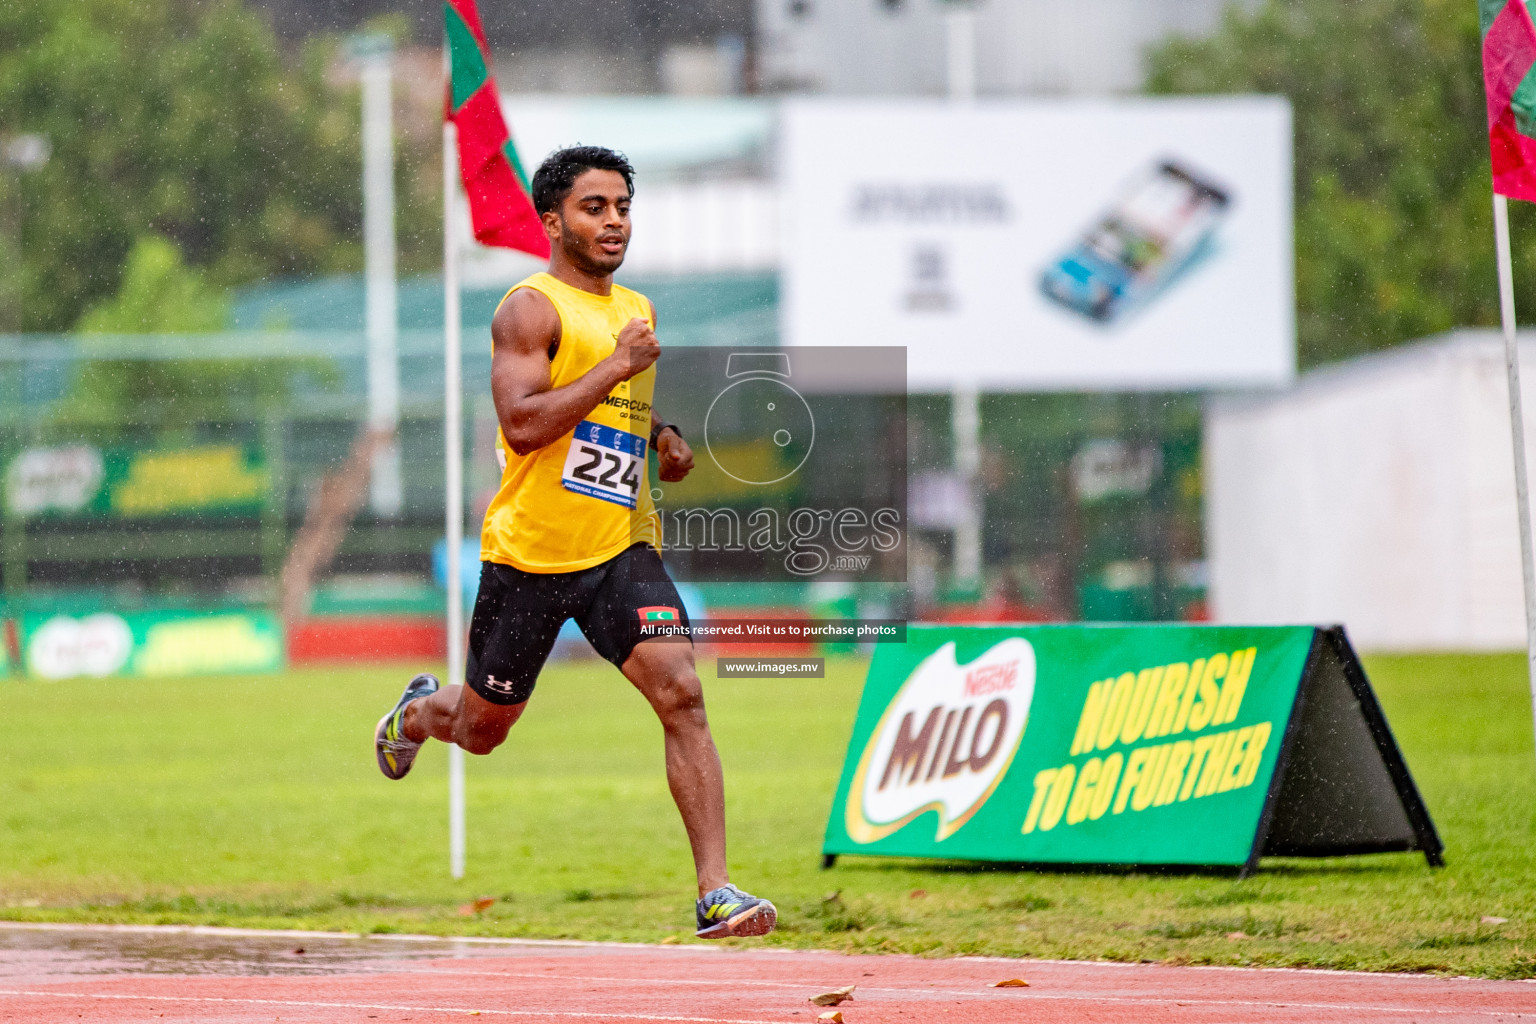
x=180 y=119
x=158 y=293
x=1394 y=235
x=161 y=294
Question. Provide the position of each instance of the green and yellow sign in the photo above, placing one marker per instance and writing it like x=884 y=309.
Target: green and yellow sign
x=151 y=643
x=136 y=483
x=211 y=478
x=1106 y=745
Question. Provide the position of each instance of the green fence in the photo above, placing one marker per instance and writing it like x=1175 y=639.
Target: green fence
x=168 y=467
x=184 y=463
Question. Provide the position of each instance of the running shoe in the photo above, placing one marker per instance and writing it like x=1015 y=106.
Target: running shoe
x=728 y=911
x=396 y=754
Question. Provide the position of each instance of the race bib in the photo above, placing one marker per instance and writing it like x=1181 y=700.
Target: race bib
x=606 y=463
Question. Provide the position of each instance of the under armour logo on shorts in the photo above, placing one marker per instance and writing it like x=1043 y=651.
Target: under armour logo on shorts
x=492 y=683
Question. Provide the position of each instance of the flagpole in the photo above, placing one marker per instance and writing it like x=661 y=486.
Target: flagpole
x=453 y=474
x=1517 y=428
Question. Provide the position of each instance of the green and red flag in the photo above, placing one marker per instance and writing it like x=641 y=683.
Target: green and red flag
x=1509 y=78
x=500 y=203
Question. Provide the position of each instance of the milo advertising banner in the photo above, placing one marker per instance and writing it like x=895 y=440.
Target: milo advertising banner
x=1160 y=744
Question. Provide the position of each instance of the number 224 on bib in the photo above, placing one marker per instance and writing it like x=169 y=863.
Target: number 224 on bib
x=606 y=463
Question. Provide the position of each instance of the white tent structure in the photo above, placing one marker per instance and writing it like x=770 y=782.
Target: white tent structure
x=1378 y=493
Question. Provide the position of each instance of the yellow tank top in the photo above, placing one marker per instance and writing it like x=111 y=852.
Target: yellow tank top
x=582 y=499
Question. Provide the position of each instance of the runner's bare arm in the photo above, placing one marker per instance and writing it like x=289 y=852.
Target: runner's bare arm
x=524 y=335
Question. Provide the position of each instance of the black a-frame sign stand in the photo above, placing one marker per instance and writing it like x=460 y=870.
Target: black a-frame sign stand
x=1340 y=785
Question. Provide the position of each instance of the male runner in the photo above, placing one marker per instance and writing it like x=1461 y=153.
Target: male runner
x=572 y=530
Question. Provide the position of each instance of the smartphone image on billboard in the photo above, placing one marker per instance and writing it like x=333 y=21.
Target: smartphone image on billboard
x=1160 y=226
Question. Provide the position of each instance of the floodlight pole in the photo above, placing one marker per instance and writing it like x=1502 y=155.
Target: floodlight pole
x=453 y=473
x=1517 y=430
x=965 y=397
x=965 y=426
x=382 y=322
x=960 y=50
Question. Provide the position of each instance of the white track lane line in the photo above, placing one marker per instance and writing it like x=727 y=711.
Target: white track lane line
x=656 y=947
x=466 y=1010
x=221 y=931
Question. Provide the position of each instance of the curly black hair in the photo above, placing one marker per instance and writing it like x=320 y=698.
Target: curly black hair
x=553 y=180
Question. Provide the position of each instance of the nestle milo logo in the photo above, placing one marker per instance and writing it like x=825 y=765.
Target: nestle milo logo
x=945 y=741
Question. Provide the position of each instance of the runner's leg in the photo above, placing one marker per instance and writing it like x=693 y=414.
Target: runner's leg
x=634 y=589
x=457 y=714
x=663 y=671
x=516 y=619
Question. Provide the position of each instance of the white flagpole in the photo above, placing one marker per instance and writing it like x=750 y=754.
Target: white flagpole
x=453 y=473
x=1517 y=428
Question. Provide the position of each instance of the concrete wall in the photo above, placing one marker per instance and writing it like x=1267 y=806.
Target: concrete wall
x=1379 y=494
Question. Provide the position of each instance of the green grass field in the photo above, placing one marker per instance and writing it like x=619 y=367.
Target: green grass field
x=255 y=802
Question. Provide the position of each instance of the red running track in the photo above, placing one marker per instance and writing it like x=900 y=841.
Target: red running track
x=115 y=975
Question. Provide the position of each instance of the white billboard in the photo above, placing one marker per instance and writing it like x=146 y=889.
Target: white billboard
x=1136 y=244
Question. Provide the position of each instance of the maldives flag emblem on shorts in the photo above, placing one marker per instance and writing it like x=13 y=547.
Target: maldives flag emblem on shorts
x=658 y=613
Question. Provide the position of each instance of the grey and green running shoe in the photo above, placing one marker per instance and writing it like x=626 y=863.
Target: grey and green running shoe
x=396 y=753
x=728 y=911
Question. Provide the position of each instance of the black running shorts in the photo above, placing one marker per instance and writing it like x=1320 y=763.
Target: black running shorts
x=518 y=615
